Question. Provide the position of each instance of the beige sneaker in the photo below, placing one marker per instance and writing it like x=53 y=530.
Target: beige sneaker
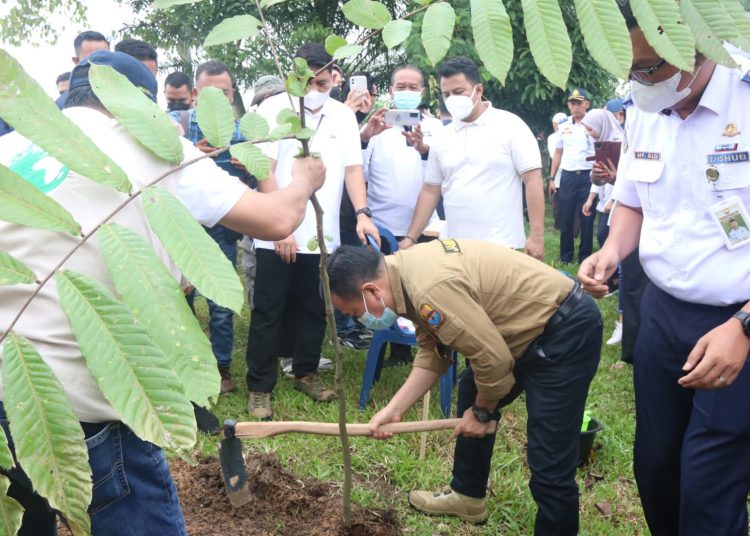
x=259 y=405
x=450 y=503
x=313 y=387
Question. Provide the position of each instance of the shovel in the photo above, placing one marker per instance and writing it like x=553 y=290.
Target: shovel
x=233 y=463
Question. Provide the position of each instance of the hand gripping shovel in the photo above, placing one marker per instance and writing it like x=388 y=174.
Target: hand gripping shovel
x=233 y=463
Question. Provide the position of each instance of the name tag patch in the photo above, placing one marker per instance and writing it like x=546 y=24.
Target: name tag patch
x=643 y=155
x=729 y=158
x=725 y=148
x=450 y=246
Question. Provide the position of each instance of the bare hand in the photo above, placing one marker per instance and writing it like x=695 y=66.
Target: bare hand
x=470 y=426
x=596 y=270
x=551 y=187
x=587 y=208
x=237 y=164
x=204 y=147
x=384 y=416
x=405 y=243
x=359 y=101
x=717 y=358
x=534 y=247
x=310 y=169
x=287 y=249
x=366 y=227
x=374 y=126
x=608 y=206
x=416 y=139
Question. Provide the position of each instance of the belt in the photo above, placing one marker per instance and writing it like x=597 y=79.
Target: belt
x=566 y=307
x=576 y=171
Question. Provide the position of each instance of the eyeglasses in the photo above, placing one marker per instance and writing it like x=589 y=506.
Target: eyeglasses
x=643 y=76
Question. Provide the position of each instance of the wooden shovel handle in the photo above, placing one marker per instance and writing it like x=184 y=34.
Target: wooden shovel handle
x=273 y=428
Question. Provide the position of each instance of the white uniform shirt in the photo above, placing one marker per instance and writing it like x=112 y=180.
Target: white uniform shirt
x=478 y=166
x=576 y=144
x=663 y=171
x=604 y=193
x=337 y=140
x=552 y=140
x=205 y=189
x=395 y=173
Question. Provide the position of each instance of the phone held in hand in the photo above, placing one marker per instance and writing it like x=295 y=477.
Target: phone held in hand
x=404 y=118
x=604 y=150
x=358 y=83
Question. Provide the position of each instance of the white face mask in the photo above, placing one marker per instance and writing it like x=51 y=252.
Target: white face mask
x=662 y=95
x=460 y=106
x=316 y=99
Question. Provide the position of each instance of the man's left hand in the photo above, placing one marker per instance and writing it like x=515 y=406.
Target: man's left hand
x=204 y=147
x=717 y=358
x=365 y=226
x=416 y=139
x=534 y=247
x=471 y=427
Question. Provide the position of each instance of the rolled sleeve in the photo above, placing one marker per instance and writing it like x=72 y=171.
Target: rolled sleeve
x=625 y=190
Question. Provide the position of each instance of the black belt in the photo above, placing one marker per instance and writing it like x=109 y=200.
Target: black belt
x=566 y=307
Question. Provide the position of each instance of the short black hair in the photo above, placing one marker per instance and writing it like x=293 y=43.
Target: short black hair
x=63 y=77
x=460 y=65
x=88 y=35
x=407 y=67
x=349 y=267
x=213 y=68
x=178 y=79
x=315 y=55
x=140 y=50
x=627 y=14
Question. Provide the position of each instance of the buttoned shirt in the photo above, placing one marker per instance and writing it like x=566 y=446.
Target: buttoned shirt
x=478 y=166
x=663 y=172
x=577 y=145
x=485 y=301
x=552 y=140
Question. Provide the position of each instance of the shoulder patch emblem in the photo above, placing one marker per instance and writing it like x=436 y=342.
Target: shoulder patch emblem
x=431 y=316
x=450 y=246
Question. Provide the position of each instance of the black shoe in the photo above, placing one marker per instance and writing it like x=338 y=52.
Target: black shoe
x=352 y=341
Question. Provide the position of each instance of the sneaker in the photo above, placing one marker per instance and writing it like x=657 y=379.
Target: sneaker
x=324 y=364
x=449 y=503
x=259 y=405
x=354 y=342
x=363 y=333
x=286 y=365
x=227 y=383
x=616 y=337
x=313 y=387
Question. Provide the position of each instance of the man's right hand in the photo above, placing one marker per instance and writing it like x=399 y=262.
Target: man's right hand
x=310 y=169
x=286 y=249
x=374 y=126
x=551 y=187
x=384 y=416
x=596 y=270
x=204 y=147
x=405 y=243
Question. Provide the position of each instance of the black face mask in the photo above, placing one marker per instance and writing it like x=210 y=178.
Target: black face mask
x=336 y=93
x=176 y=106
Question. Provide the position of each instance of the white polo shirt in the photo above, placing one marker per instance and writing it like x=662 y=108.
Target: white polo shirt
x=395 y=173
x=552 y=140
x=205 y=189
x=478 y=166
x=663 y=171
x=576 y=144
x=337 y=140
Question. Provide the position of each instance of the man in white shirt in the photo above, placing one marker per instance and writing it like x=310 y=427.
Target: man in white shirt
x=479 y=164
x=287 y=302
x=554 y=185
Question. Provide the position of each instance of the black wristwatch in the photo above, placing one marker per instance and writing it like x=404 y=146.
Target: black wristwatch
x=481 y=414
x=366 y=211
x=744 y=318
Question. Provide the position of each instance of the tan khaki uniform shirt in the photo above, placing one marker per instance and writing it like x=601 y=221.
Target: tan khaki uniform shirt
x=485 y=301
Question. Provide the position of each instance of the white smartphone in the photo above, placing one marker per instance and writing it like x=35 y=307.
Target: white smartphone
x=405 y=118
x=358 y=83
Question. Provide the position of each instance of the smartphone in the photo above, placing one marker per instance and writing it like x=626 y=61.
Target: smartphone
x=358 y=83
x=604 y=150
x=405 y=118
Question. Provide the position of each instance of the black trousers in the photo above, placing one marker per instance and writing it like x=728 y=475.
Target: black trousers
x=632 y=286
x=555 y=372
x=288 y=314
x=574 y=191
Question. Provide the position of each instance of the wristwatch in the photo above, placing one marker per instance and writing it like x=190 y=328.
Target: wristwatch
x=366 y=211
x=744 y=318
x=482 y=414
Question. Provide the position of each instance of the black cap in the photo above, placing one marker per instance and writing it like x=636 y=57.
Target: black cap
x=137 y=73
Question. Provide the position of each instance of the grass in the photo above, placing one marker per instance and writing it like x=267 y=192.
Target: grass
x=386 y=470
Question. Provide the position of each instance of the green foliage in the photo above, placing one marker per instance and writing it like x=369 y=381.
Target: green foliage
x=740 y=34
x=140 y=116
x=346 y=51
x=215 y=116
x=253 y=159
x=299 y=78
x=30 y=20
x=665 y=30
x=606 y=35
x=367 y=13
x=21 y=203
x=158 y=302
x=281 y=131
x=396 y=32
x=287 y=115
x=6 y=458
x=437 y=29
x=333 y=43
x=304 y=133
x=548 y=39
x=707 y=31
x=232 y=29
x=11 y=513
x=192 y=250
x=254 y=126
x=48 y=439
x=164 y=4
x=268 y=3
x=26 y=107
x=493 y=36
x=13 y=272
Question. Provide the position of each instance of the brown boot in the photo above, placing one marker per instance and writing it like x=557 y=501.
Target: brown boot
x=227 y=383
x=313 y=387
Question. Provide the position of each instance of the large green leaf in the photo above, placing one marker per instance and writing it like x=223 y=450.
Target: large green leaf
x=606 y=35
x=21 y=203
x=26 y=107
x=11 y=513
x=254 y=126
x=493 y=36
x=13 y=271
x=164 y=4
x=130 y=369
x=253 y=159
x=215 y=116
x=396 y=32
x=232 y=29
x=157 y=301
x=366 y=13
x=333 y=43
x=268 y=3
x=437 y=30
x=48 y=438
x=192 y=250
x=708 y=31
x=347 y=51
x=6 y=458
x=739 y=33
x=665 y=30
x=548 y=39
x=140 y=116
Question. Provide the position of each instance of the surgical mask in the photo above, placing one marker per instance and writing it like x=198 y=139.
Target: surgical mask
x=460 y=106
x=407 y=100
x=176 y=106
x=372 y=322
x=315 y=99
x=662 y=95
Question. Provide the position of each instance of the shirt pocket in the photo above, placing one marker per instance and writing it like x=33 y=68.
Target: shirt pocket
x=647 y=175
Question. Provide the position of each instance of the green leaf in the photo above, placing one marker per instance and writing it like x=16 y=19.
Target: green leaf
x=48 y=437
x=707 y=30
x=296 y=85
x=21 y=203
x=665 y=31
x=164 y=4
x=254 y=126
x=493 y=36
x=158 y=302
x=132 y=372
x=366 y=13
x=548 y=39
x=6 y=458
x=606 y=35
x=312 y=244
x=26 y=107
x=11 y=513
x=268 y=3
x=215 y=116
x=287 y=115
x=437 y=30
x=302 y=68
x=304 y=133
x=396 y=32
x=281 y=131
x=346 y=51
x=13 y=271
x=333 y=43
x=739 y=33
x=192 y=250
x=257 y=163
x=140 y=116
x=232 y=29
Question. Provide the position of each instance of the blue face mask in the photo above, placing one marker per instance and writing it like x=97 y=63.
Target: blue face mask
x=407 y=100
x=372 y=322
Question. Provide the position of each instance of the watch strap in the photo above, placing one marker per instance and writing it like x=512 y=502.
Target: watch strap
x=744 y=318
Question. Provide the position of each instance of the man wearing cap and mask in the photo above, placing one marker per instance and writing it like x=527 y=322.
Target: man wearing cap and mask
x=685 y=167
x=479 y=165
x=133 y=491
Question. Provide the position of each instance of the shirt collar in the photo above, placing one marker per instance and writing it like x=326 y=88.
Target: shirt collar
x=397 y=289
x=715 y=95
x=481 y=120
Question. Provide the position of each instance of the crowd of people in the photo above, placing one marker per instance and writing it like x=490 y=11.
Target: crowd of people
x=663 y=170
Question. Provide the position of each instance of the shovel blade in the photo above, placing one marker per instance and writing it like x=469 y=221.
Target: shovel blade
x=233 y=471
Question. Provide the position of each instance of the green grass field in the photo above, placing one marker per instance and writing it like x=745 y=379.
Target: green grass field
x=386 y=470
